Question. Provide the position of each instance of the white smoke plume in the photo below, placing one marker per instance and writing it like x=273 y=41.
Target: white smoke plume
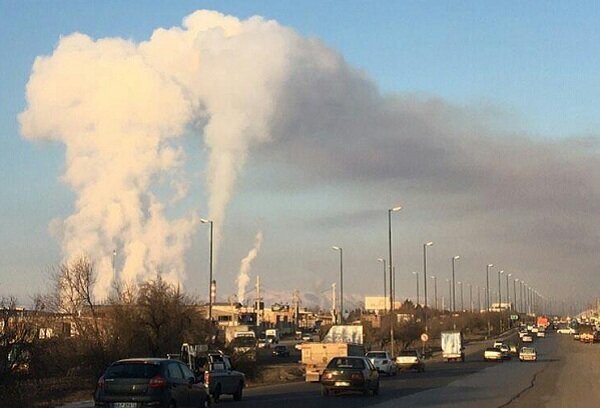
x=245 y=266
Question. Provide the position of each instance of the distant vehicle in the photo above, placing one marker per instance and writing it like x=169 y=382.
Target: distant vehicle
x=157 y=382
x=307 y=337
x=534 y=329
x=522 y=333
x=452 y=346
x=281 y=351
x=383 y=362
x=513 y=349
x=410 y=360
x=262 y=343
x=541 y=333
x=505 y=350
x=272 y=336
x=528 y=354
x=350 y=374
x=542 y=321
x=566 y=330
x=492 y=354
x=576 y=335
x=528 y=338
x=498 y=344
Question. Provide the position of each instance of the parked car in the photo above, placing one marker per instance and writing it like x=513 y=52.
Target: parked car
x=157 y=382
x=492 y=354
x=350 y=374
x=382 y=361
x=281 y=351
x=528 y=354
x=410 y=360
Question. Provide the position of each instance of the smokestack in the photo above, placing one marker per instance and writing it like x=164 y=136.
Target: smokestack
x=244 y=275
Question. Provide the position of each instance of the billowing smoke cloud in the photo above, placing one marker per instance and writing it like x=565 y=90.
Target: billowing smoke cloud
x=245 y=266
x=121 y=109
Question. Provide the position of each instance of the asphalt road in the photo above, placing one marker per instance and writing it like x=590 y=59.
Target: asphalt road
x=566 y=375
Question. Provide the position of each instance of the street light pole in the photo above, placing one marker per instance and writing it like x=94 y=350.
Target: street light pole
x=417 y=279
x=337 y=248
x=470 y=296
x=449 y=294
x=462 y=306
x=425 y=245
x=384 y=283
x=454 y=259
x=500 y=291
x=508 y=291
x=515 y=293
x=435 y=291
x=210 y=268
x=487 y=284
x=390 y=266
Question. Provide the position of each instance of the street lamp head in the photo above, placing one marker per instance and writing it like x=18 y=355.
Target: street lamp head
x=509 y=275
x=433 y=277
x=336 y=248
x=501 y=272
x=380 y=260
x=457 y=257
x=429 y=243
x=490 y=265
x=205 y=221
x=396 y=208
x=414 y=273
x=516 y=279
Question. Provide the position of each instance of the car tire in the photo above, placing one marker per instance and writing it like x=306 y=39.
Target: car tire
x=217 y=393
x=325 y=391
x=237 y=395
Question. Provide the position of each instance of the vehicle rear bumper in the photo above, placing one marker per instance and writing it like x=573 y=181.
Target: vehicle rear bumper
x=353 y=385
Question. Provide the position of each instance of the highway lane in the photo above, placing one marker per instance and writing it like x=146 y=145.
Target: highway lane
x=438 y=375
x=569 y=380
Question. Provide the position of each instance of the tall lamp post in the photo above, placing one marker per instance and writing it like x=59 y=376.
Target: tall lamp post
x=487 y=291
x=210 y=268
x=462 y=307
x=390 y=264
x=454 y=259
x=435 y=290
x=384 y=283
x=450 y=294
x=425 y=245
x=508 y=275
x=470 y=297
x=515 y=293
x=341 y=251
x=417 y=279
x=500 y=291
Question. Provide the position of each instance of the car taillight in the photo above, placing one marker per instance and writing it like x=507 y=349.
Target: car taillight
x=101 y=383
x=356 y=376
x=158 y=382
x=206 y=377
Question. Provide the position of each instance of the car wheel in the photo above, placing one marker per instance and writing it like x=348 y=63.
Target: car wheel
x=324 y=391
x=217 y=393
x=237 y=395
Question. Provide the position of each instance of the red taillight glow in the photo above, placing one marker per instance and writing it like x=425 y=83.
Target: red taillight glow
x=158 y=382
x=357 y=376
x=101 y=383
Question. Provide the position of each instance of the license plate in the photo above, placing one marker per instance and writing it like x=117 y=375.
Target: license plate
x=342 y=384
x=124 y=405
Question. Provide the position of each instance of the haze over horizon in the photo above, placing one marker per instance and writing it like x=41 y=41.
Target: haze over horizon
x=293 y=136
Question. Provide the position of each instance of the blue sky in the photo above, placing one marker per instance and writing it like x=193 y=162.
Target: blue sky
x=535 y=62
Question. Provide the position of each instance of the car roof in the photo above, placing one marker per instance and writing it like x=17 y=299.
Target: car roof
x=143 y=360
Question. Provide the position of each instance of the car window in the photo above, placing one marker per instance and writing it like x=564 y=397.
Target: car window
x=343 y=362
x=187 y=373
x=376 y=355
x=370 y=365
x=132 y=370
x=227 y=363
x=408 y=353
x=173 y=371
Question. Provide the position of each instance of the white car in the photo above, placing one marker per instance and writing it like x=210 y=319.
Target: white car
x=410 y=360
x=528 y=338
x=382 y=361
x=492 y=354
x=541 y=333
x=528 y=354
x=566 y=330
x=498 y=344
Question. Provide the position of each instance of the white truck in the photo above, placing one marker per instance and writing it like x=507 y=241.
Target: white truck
x=452 y=346
x=272 y=336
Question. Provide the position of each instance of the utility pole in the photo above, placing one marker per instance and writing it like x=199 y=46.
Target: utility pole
x=296 y=302
x=333 y=303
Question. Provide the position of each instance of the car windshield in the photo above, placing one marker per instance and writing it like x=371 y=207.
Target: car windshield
x=492 y=349
x=343 y=362
x=377 y=354
x=526 y=350
x=132 y=370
